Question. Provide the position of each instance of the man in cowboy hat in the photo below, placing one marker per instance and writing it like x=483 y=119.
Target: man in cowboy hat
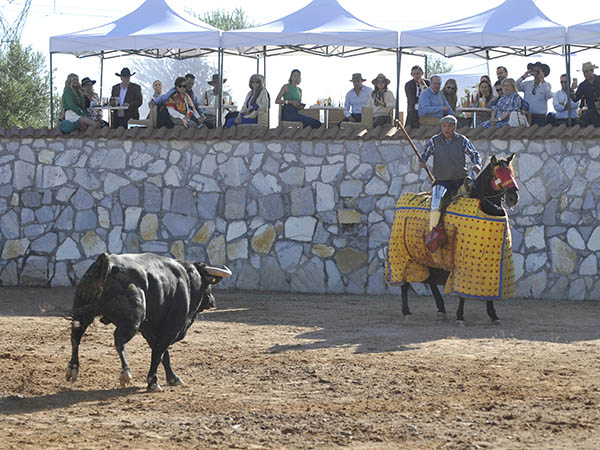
x=211 y=98
x=356 y=98
x=589 y=88
x=125 y=94
x=592 y=116
x=537 y=91
x=433 y=104
x=449 y=150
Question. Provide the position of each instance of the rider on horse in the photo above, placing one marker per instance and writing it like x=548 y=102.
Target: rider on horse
x=450 y=171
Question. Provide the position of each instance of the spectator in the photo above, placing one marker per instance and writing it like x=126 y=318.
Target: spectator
x=509 y=103
x=501 y=73
x=164 y=118
x=181 y=106
x=157 y=87
x=498 y=88
x=211 y=98
x=356 y=98
x=256 y=101
x=484 y=98
x=592 y=115
x=449 y=91
x=561 y=106
x=432 y=104
x=290 y=97
x=91 y=99
x=537 y=91
x=413 y=90
x=126 y=94
x=76 y=115
x=589 y=88
x=382 y=101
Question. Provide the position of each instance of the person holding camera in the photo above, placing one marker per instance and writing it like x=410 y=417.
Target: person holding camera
x=537 y=91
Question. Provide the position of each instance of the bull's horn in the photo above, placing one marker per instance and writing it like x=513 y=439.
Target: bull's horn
x=217 y=272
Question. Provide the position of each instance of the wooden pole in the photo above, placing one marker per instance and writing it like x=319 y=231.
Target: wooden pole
x=398 y=125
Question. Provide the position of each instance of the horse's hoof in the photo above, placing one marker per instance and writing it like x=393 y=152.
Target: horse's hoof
x=441 y=316
x=497 y=323
x=125 y=377
x=71 y=374
x=154 y=387
x=176 y=381
x=460 y=323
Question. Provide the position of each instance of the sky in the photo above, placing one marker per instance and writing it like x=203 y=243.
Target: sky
x=321 y=77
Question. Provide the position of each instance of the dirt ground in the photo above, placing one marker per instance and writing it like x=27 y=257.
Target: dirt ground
x=307 y=371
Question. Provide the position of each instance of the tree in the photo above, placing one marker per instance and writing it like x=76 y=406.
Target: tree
x=24 y=87
x=436 y=65
x=225 y=20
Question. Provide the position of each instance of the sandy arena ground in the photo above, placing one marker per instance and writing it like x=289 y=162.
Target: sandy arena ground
x=306 y=371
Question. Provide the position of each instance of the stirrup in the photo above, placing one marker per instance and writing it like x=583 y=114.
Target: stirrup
x=435 y=239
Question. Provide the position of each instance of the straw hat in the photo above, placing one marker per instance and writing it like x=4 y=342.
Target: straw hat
x=588 y=66
x=357 y=77
x=379 y=77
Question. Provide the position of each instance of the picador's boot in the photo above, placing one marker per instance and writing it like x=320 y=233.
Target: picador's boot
x=436 y=236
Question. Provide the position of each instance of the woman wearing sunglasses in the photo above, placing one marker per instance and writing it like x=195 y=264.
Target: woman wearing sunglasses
x=181 y=107
x=449 y=91
x=257 y=101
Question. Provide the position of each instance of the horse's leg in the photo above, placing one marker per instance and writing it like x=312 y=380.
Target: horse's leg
x=492 y=312
x=460 y=312
x=439 y=300
x=405 y=310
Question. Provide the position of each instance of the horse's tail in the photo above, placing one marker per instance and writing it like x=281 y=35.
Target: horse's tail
x=90 y=288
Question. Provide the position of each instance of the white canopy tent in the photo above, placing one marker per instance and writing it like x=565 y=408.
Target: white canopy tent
x=153 y=29
x=585 y=35
x=323 y=27
x=515 y=27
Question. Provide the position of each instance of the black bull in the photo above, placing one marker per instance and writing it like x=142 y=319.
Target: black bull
x=159 y=296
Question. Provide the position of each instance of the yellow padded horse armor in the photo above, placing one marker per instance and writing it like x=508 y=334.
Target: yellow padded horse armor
x=477 y=252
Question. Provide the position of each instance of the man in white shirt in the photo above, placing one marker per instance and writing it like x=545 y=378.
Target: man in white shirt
x=537 y=91
x=561 y=106
x=356 y=98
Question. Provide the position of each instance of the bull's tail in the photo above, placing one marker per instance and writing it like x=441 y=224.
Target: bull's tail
x=90 y=288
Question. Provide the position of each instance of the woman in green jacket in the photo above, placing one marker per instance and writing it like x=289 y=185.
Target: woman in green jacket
x=74 y=103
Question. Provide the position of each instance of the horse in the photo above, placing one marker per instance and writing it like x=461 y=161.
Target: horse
x=494 y=184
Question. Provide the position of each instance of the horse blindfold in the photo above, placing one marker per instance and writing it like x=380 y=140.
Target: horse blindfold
x=504 y=178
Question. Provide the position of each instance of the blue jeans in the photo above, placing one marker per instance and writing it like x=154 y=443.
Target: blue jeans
x=231 y=122
x=290 y=113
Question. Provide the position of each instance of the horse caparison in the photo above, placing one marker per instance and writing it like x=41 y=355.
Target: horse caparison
x=494 y=184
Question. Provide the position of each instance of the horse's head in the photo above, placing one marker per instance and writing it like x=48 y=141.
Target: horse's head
x=497 y=182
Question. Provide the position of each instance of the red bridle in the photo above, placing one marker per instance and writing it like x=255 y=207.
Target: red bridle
x=503 y=179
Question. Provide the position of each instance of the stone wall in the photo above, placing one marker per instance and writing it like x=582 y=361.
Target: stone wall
x=288 y=215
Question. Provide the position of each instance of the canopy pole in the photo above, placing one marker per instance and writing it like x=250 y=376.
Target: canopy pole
x=51 y=95
x=265 y=63
x=568 y=64
x=398 y=65
x=101 y=72
x=220 y=96
x=257 y=64
x=487 y=61
x=426 y=68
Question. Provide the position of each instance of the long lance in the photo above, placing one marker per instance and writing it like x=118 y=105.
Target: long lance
x=394 y=130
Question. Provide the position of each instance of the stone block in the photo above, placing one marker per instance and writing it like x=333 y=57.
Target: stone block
x=68 y=250
x=303 y=203
x=204 y=233
x=300 y=228
x=216 y=250
x=92 y=244
x=9 y=225
x=237 y=249
x=183 y=201
x=85 y=220
x=45 y=244
x=149 y=227
x=348 y=216
x=270 y=208
x=235 y=204
x=349 y=259
x=310 y=277
x=35 y=271
x=207 y=205
x=235 y=230
x=179 y=225
x=272 y=277
x=263 y=239
x=564 y=258
x=324 y=251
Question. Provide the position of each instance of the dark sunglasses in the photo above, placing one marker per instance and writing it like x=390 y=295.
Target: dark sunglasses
x=451 y=88
x=181 y=85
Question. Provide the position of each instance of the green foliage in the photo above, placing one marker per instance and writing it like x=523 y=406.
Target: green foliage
x=437 y=66
x=24 y=87
x=226 y=20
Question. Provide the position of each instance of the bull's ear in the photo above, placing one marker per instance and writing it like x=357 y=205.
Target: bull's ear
x=510 y=158
x=493 y=159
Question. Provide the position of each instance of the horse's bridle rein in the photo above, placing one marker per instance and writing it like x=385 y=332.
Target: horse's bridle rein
x=502 y=180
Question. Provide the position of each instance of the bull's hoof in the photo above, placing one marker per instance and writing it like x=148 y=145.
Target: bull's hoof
x=125 y=377
x=154 y=387
x=497 y=323
x=72 y=372
x=460 y=323
x=175 y=381
x=408 y=318
x=442 y=317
